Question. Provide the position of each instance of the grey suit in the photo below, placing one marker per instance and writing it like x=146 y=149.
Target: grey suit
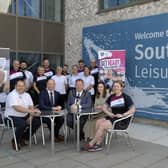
x=86 y=106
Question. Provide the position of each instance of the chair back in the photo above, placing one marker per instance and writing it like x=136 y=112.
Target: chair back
x=123 y=123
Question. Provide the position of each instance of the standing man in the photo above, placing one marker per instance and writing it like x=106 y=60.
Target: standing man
x=19 y=106
x=28 y=74
x=81 y=67
x=48 y=71
x=79 y=100
x=16 y=74
x=94 y=72
x=49 y=100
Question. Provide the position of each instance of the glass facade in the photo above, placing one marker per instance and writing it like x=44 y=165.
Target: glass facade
x=31 y=8
x=34 y=59
x=51 y=10
x=110 y=4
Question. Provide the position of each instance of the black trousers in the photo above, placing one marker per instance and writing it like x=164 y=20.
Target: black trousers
x=70 y=123
x=22 y=128
x=58 y=124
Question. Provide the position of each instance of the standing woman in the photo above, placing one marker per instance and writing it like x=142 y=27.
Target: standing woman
x=60 y=85
x=39 y=83
x=100 y=98
x=89 y=81
x=73 y=77
x=121 y=105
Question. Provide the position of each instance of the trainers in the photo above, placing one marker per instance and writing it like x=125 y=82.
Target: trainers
x=86 y=147
x=95 y=148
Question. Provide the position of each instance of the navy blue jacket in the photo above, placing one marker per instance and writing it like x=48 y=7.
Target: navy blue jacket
x=44 y=100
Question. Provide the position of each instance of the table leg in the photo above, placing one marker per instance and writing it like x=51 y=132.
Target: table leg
x=78 y=133
x=65 y=128
x=30 y=133
x=52 y=134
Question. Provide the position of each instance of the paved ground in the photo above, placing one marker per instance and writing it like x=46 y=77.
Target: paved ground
x=151 y=151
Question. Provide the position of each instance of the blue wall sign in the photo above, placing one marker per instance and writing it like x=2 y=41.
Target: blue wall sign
x=146 y=43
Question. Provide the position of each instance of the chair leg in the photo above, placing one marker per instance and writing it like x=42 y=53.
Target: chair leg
x=2 y=135
x=109 y=141
x=106 y=138
x=14 y=137
x=129 y=142
x=42 y=131
x=35 y=139
x=65 y=128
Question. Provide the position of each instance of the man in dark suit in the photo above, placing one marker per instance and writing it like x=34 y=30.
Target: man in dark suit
x=49 y=100
x=79 y=100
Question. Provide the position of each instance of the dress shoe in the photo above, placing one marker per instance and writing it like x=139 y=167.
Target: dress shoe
x=14 y=146
x=59 y=138
x=23 y=143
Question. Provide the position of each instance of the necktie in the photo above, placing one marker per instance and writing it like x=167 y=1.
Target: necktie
x=77 y=98
x=78 y=95
x=51 y=98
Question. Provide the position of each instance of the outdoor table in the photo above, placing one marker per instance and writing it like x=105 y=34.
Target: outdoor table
x=51 y=115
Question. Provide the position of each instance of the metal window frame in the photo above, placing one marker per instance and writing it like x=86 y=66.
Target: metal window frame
x=101 y=10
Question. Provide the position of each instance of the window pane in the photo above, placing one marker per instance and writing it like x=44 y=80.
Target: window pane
x=29 y=8
x=33 y=60
x=8 y=6
x=106 y=4
x=53 y=10
x=55 y=60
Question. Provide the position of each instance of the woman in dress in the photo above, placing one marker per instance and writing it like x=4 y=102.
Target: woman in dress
x=117 y=105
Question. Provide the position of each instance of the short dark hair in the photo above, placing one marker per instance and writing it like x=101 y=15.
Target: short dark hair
x=23 y=61
x=45 y=58
x=79 y=80
x=81 y=61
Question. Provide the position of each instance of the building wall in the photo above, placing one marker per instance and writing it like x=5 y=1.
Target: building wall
x=82 y=13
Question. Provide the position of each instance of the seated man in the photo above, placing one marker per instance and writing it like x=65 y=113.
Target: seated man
x=18 y=106
x=79 y=100
x=49 y=100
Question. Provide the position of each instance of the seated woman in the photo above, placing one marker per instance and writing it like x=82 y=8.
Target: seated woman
x=101 y=96
x=121 y=106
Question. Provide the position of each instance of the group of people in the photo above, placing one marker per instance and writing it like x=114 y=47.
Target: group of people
x=78 y=91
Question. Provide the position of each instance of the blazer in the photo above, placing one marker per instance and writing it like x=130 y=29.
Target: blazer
x=85 y=101
x=44 y=100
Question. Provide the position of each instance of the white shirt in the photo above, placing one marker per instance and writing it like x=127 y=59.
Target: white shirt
x=78 y=100
x=60 y=82
x=16 y=99
x=89 y=80
x=72 y=79
x=49 y=93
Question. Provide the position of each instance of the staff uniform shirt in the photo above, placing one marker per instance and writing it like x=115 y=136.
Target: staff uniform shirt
x=60 y=82
x=41 y=82
x=14 y=77
x=16 y=99
x=89 y=80
x=72 y=79
x=49 y=73
x=119 y=104
x=29 y=79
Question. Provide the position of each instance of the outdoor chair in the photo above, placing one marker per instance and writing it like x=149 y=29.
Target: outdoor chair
x=115 y=130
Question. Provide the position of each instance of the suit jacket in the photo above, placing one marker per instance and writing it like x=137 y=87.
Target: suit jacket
x=85 y=101
x=44 y=100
